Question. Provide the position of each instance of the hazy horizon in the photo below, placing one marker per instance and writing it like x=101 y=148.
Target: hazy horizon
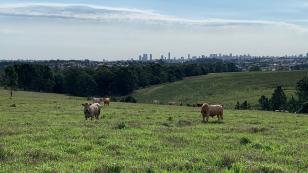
x=97 y=30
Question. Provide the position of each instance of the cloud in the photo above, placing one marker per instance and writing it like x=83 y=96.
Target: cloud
x=111 y=14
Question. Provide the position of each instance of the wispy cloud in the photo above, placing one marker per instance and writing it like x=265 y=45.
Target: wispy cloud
x=103 y=13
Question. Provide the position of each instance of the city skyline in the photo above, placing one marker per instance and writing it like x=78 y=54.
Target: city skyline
x=113 y=30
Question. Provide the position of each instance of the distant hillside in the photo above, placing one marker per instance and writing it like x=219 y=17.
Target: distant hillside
x=224 y=88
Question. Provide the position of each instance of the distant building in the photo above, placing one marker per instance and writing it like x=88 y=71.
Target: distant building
x=213 y=55
x=145 y=57
x=151 y=57
x=306 y=55
x=169 y=55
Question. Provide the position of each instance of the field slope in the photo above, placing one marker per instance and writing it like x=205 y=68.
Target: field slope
x=225 y=88
x=47 y=133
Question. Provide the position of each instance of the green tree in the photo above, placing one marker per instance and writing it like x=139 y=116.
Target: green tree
x=59 y=83
x=104 y=77
x=279 y=99
x=10 y=78
x=125 y=81
x=302 y=90
x=265 y=104
x=293 y=105
x=245 y=105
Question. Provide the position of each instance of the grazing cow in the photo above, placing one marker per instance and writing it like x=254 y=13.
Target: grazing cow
x=172 y=103
x=212 y=110
x=106 y=101
x=156 y=102
x=92 y=110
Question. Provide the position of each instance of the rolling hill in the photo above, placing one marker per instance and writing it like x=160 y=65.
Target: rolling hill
x=223 y=88
x=47 y=133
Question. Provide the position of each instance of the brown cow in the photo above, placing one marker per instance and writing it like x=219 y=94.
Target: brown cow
x=106 y=101
x=212 y=110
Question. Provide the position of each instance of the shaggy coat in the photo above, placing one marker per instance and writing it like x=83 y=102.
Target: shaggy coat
x=212 y=110
x=92 y=110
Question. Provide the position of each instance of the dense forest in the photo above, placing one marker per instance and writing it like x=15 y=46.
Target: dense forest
x=107 y=80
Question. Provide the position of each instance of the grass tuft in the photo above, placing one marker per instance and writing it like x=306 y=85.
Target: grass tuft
x=113 y=168
x=226 y=161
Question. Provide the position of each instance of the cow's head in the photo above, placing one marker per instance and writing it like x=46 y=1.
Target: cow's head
x=86 y=107
x=205 y=107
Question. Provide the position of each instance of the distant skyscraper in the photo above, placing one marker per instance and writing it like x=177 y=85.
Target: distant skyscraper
x=151 y=57
x=162 y=57
x=188 y=56
x=140 y=58
x=306 y=55
x=169 y=55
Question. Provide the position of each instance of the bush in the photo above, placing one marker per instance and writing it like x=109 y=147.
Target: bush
x=244 y=106
x=121 y=125
x=244 y=141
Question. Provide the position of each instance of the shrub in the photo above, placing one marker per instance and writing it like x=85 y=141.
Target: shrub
x=121 y=125
x=244 y=141
x=244 y=106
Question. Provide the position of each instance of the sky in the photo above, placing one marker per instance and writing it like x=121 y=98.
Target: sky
x=124 y=29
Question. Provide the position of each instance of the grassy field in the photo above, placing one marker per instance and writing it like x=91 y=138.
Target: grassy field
x=223 y=88
x=48 y=133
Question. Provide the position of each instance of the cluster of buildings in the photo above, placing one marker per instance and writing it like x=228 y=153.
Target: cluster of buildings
x=243 y=62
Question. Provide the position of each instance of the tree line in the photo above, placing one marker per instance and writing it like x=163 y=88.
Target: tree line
x=280 y=102
x=103 y=80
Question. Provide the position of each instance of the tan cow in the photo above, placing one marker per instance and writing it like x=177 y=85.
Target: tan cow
x=92 y=110
x=212 y=111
